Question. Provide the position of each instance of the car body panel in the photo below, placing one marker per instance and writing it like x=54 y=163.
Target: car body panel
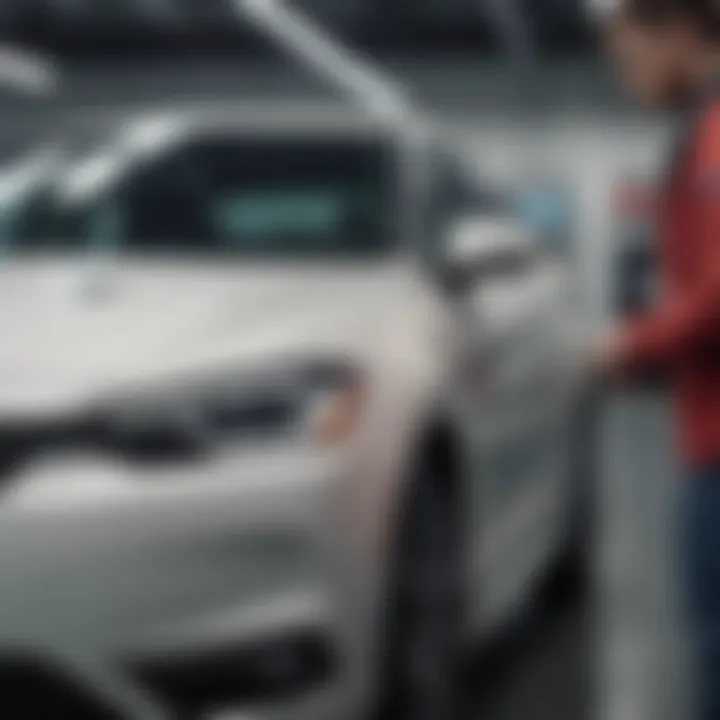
x=109 y=559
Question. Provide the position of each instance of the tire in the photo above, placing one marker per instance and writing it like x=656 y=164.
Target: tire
x=574 y=568
x=422 y=665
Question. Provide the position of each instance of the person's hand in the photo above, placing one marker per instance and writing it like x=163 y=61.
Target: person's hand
x=606 y=355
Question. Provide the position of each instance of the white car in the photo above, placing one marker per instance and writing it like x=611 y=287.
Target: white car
x=284 y=419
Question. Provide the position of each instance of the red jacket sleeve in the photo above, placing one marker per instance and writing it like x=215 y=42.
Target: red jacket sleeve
x=686 y=319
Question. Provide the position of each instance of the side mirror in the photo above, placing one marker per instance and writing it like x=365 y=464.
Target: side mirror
x=476 y=248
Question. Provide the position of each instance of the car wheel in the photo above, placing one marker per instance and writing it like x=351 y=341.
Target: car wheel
x=574 y=568
x=423 y=648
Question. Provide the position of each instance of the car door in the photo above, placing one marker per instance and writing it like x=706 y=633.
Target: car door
x=505 y=394
x=518 y=419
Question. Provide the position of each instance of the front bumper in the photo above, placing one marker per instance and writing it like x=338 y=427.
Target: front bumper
x=215 y=586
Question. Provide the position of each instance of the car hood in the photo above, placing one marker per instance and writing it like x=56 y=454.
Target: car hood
x=74 y=330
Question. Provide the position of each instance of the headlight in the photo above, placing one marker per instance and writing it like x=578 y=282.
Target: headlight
x=319 y=403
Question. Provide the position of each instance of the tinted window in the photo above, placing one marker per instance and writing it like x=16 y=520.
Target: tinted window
x=227 y=195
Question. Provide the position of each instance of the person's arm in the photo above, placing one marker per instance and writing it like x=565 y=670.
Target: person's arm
x=687 y=320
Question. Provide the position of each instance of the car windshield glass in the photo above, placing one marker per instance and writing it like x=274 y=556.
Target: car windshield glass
x=218 y=196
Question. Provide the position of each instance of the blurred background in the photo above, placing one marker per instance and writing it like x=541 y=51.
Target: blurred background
x=523 y=84
x=483 y=66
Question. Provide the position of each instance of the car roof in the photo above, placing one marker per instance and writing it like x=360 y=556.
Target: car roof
x=111 y=141
x=252 y=117
x=283 y=116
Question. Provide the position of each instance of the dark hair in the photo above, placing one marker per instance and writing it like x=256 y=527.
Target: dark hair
x=703 y=14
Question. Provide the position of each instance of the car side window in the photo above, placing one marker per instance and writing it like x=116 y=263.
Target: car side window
x=166 y=202
x=281 y=196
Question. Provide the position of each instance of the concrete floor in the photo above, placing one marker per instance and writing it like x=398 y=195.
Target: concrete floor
x=643 y=651
x=617 y=653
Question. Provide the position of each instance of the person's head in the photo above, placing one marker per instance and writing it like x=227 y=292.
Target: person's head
x=662 y=47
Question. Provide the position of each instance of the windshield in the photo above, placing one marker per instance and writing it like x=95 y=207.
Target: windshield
x=218 y=195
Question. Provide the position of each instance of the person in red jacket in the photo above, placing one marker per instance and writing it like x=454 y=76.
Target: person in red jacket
x=668 y=53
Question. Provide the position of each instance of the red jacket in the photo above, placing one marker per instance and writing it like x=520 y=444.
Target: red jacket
x=683 y=333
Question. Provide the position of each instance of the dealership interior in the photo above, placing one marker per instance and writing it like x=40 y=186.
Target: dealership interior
x=521 y=86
